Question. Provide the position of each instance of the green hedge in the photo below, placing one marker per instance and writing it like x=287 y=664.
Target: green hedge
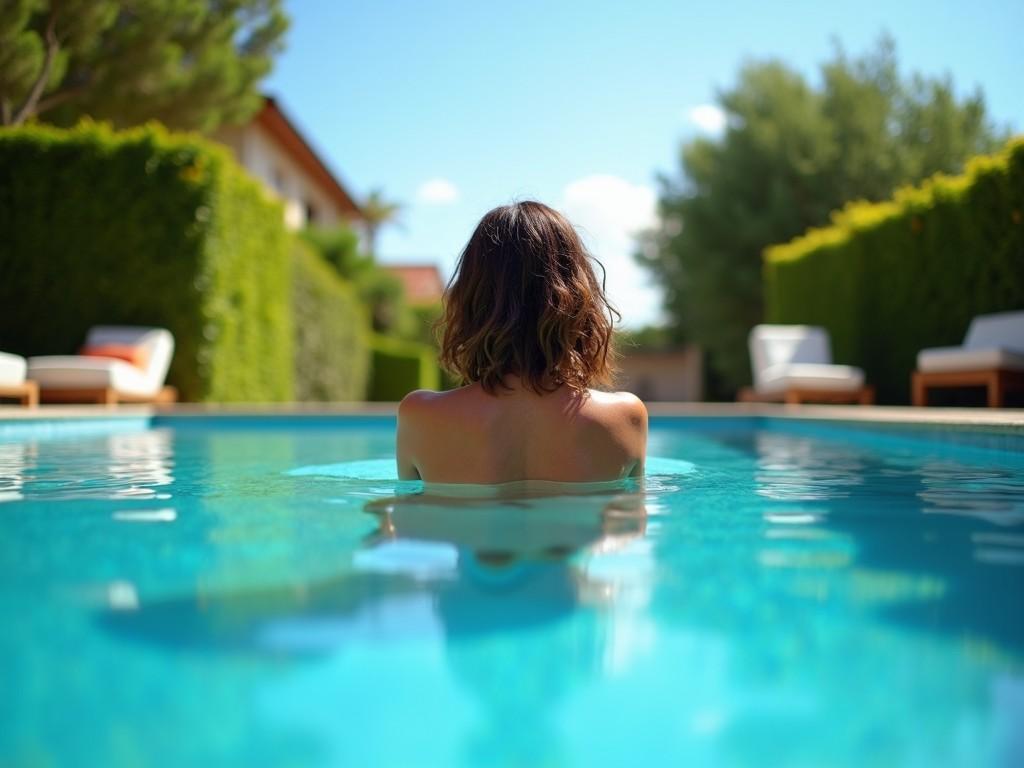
x=399 y=367
x=891 y=278
x=150 y=228
x=332 y=354
x=425 y=317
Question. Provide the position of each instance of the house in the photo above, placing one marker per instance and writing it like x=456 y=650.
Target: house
x=423 y=283
x=271 y=148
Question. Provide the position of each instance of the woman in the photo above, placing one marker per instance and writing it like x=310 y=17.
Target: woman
x=527 y=326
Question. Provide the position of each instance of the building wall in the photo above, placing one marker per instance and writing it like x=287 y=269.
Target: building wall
x=304 y=202
x=672 y=375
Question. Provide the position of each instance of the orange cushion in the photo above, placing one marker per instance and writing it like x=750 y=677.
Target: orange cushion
x=137 y=356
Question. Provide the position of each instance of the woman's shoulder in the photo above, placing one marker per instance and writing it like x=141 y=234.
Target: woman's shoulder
x=418 y=401
x=621 y=400
x=618 y=406
x=422 y=402
x=598 y=405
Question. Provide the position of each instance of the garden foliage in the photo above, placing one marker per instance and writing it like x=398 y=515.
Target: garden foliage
x=146 y=228
x=403 y=333
x=399 y=367
x=791 y=152
x=191 y=64
x=332 y=353
x=379 y=290
x=888 y=279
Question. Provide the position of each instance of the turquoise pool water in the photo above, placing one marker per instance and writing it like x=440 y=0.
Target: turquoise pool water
x=233 y=591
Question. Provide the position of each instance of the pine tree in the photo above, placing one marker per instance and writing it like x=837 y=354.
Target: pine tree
x=191 y=64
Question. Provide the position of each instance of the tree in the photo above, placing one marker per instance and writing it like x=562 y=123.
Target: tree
x=379 y=290
x=789 y=156
x=339 y=247
x=191 y=64
x=377 y=211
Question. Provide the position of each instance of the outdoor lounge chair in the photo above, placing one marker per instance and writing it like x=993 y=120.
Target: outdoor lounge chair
x=992 y=356
x=793 y=363
x=13 y=383
x=118 y=364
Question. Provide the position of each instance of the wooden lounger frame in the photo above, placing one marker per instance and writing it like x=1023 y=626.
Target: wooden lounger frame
x=105 y=396
x=795 y=396
x=995 y=380
x=26 y=393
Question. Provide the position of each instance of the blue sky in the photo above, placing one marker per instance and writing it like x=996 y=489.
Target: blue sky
x=455 y=107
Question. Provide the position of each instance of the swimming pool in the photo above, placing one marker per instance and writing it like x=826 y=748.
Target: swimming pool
x=180 y=591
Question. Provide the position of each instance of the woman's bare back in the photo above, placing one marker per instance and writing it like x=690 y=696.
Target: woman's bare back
x=469 y=436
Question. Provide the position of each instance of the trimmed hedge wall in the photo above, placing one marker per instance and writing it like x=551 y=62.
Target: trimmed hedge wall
x=332 y=353
x=150 y=228
x=892 y=278
x=399 y=367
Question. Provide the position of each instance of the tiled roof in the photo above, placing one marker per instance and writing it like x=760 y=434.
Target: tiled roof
x=423 y=282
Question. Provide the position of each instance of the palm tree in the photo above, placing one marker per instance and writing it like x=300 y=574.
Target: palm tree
x=377 y=211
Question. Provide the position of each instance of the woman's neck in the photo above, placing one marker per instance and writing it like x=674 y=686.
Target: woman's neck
x=514 y=383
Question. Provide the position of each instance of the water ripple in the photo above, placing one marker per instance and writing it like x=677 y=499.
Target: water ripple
x=130 y=465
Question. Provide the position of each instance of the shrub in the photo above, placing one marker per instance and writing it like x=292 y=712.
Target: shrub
x=399 y=367
x=422 y=326
x=150 y=228
x=381 y=291
x=891 y=278
x=338 y=246
x=332 y=354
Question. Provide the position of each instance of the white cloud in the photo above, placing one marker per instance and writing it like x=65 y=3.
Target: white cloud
x=437 y=192
x=708 y=118
x=609 y=212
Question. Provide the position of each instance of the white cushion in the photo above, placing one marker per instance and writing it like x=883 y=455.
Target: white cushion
x=992 y=341
x=774 y=345
x=12 y=369
x=1002 y=330
x=80 y=372
x=943 y=359
x=814 y=376
x=158 y=342
x=84 y=372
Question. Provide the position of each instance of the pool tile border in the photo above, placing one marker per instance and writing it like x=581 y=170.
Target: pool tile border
x=63 y=419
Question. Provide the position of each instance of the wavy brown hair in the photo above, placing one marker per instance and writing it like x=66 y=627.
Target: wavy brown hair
x=524 y=300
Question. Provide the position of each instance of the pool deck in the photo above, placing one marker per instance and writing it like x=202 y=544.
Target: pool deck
x=1009 y=420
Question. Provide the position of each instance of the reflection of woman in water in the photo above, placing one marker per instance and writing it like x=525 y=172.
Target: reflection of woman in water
x=520 y=618
x=531 y=613
x=529 y=329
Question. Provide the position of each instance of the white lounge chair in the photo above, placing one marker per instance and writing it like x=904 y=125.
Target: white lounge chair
x=793 y=363
x=86 y=378
x=992 y=356
x=13 y=383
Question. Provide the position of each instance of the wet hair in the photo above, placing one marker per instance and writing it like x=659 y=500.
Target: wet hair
x=525 y=300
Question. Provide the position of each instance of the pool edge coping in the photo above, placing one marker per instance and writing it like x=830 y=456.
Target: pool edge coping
x=1009 y=420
